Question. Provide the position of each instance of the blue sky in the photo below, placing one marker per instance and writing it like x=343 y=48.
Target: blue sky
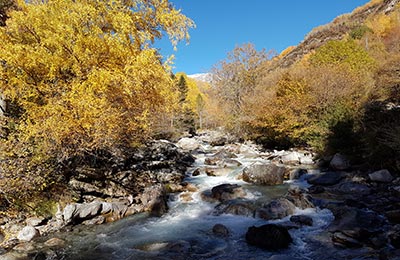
x=270 y=24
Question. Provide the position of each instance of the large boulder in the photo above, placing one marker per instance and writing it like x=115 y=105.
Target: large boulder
x=188 y=144
x=264 y=174
x=225 y=192
x=277 y=209
x=270 y=237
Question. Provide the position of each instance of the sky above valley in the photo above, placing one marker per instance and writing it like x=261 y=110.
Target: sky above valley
x=221 y=25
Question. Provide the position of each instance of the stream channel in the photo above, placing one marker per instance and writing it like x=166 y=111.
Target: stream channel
x=186 y=231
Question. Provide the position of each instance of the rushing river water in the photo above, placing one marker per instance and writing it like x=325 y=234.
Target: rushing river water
x=185 y=232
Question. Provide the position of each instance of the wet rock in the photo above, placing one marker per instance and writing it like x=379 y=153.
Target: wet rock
x=352 y=188
x=302 y=220
x=297 y=173
x=264 y=174
x=219 y=157
x=325 y=178
x=236 y=207
x=340 y=239
x=155 y=200
x=381 y=176
x=270 y=237
x=196 y=172
x=180 y=247
x=220 y=230
x=54 y=242
x=316 y=189
x=299 y=198
x=28 y=233
x=276 y=209
x=355 y=224
x=225 y=192
x=339 y=162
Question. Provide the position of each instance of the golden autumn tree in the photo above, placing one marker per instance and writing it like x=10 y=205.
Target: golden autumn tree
x=84 y=76
x=234 y=79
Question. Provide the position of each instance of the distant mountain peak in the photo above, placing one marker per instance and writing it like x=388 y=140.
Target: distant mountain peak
x=205 y=77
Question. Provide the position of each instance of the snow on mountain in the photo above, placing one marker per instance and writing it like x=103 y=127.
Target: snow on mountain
x=206 y=77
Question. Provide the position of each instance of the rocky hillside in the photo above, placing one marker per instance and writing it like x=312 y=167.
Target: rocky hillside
x=336 y=30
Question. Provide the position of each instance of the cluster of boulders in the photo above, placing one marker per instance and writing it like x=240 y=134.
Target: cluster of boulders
x=111 y=190
x=365 y=204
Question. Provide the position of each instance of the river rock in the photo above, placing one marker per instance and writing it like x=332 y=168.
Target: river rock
x=270 y=237
x=302 y=220
x=276 y=209
x=35 y=221
x=340 y=239
x=220 y=230
x=188 y=144
x=264 y=174
x=236 y=207
x=394 y=237
x=54 y=242
x=352 y=188
x=290 y=157
x=28 y=233
x=381 y=176
x=299 y=197
x=325 y=178
x=225 y=192
x=297 y=173
x=339 y=162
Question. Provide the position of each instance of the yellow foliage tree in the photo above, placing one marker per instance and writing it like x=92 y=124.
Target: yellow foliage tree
x=84 y=74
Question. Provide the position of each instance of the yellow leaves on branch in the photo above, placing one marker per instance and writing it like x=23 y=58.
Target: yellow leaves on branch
x=84 y=72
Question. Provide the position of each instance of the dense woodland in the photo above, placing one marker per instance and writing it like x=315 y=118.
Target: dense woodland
x=89 y=82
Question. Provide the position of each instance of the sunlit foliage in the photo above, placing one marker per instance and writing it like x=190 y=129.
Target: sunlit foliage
x=84 y=77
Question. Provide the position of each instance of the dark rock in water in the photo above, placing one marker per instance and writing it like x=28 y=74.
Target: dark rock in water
x=270 y=237
x=236 y=207
x=297 y=173
x=362 y=221
x=352 y=188
x=276 y=209
x=300 y=198
x=264 y=174
x=225 y=192
x=196 y=172
x=316 y=189
x=342 y=240
x=325 y=178
x=302 y=220
x=220 y=230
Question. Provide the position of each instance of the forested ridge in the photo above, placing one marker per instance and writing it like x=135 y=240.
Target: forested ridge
x=87 y=84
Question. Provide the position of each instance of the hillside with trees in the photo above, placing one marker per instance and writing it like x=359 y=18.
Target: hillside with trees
x=337 y=91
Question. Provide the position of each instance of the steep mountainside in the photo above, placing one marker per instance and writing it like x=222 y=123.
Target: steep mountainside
x=336 y=30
